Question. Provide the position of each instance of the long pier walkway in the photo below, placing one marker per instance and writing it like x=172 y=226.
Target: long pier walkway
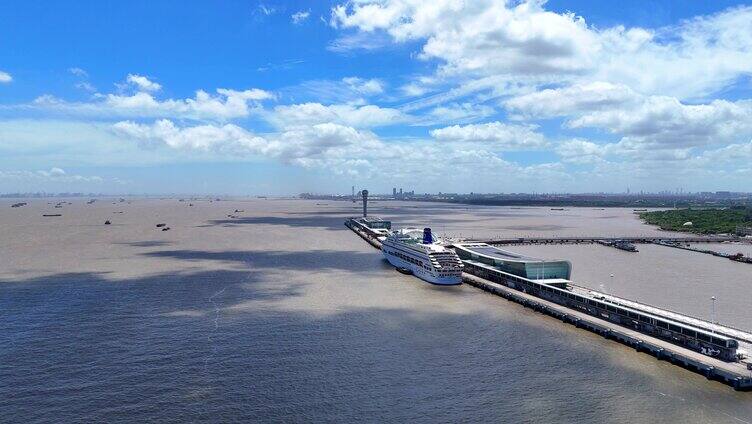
x=735 y=374
x=740 y=335
x=595 y=239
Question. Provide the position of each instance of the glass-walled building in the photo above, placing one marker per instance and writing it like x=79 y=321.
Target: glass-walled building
x=512 y=263
x=377 y=223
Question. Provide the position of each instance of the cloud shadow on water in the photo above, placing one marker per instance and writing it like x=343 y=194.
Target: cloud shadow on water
x=310 y=260
x=312 y=221
x=170 y=347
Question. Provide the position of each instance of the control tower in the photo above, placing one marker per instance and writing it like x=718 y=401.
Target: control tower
x=365 y=203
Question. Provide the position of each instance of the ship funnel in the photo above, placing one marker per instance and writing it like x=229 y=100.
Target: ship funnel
x=427 y=237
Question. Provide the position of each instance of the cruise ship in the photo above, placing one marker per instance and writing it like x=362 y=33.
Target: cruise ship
x=423 y=256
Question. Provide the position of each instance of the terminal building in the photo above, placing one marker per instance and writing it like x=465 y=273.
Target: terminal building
x=553 y=271
x=527 y=274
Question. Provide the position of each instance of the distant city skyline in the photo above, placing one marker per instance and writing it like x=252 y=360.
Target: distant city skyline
x=407 y=195
x=282 y=98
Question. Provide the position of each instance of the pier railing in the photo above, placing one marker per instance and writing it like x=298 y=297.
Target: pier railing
x=631 y=239
x=737 y=333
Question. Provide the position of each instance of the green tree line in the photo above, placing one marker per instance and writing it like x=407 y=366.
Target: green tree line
x=704 y=221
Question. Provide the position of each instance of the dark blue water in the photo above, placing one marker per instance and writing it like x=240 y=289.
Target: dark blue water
x=332 y=334
x=79 y=348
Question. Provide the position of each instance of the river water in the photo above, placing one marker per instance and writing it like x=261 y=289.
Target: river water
x=282 y=314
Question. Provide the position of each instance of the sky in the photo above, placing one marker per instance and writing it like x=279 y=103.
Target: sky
x=286 y=97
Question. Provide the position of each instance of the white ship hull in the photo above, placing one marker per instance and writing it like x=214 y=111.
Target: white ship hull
x=422 y=273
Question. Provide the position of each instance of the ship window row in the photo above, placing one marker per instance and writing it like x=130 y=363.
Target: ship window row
x=409 y=259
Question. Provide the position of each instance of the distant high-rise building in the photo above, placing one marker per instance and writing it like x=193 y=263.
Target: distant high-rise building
x=394 y=192
x=400 y=193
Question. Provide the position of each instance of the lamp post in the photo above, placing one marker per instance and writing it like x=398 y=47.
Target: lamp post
x=543 y=263
x=712 y=312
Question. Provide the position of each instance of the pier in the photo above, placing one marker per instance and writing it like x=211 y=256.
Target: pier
x=734 y=374
x=585 y=240
x=627 y=243
x=738 y=257
x=709 y=349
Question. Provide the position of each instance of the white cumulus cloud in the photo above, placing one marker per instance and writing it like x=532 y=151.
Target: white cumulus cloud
x=143 y=83
x=78 y=72
x=345 y=114
x=664 y=122
x=338 y=149
x=500 y=135
x=456 y=112
x=581 y=151
x=525 y=41
x=571 y=100
x=52 y=175
x=312 y=145
x=227 y=138
x=364 y=86
x=300 y=16
x=482 y=36
x=642 y=123
x=226 y=104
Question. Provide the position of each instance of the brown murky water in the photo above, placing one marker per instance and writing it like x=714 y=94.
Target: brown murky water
x=282 y=314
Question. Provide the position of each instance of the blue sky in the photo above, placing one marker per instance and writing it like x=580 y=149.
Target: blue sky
x=247 y=97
